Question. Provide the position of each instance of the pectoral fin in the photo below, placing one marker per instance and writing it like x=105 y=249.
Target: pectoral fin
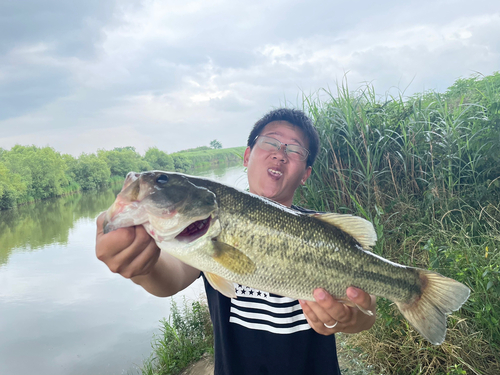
x=222 y=285
x=232 y=258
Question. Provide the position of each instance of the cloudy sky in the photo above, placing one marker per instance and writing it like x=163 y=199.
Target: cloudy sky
x=83 y=75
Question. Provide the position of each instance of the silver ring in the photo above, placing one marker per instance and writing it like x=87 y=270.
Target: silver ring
x=327 y=326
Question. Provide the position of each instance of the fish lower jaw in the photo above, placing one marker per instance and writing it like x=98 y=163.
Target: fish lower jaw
x=194 y=230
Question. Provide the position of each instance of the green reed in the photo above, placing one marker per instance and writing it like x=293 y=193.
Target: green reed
x=426 y=171
x=183 y=339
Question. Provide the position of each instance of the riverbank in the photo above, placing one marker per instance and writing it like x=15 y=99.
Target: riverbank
x=351 y=362
x=204 y=366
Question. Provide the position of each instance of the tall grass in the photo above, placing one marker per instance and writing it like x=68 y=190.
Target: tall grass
x=183 y=339
x=426 y=171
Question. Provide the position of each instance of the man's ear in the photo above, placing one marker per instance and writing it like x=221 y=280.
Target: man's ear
x=307 y=173
x=246 y=156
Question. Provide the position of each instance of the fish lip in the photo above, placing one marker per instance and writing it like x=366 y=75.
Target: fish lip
x=119 y=205
x=117 y=208
x=110 y=226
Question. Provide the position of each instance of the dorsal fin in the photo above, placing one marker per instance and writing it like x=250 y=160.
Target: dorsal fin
x=360 y=229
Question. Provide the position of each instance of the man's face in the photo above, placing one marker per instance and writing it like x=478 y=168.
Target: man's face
x=272 y=174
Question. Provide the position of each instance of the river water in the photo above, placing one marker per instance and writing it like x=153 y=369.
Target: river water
x=61 y=310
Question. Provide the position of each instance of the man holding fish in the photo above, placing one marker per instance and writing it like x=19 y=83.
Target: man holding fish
x=257 y=332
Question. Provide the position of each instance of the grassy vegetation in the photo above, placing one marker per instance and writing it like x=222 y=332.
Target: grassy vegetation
x=426 y=171
x=183 y=339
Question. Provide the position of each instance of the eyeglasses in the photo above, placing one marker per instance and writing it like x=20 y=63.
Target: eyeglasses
x=294 y=152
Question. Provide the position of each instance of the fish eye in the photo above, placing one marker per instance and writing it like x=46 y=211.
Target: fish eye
x=162 y=179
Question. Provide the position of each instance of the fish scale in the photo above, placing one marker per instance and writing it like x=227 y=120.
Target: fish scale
x=256 y=242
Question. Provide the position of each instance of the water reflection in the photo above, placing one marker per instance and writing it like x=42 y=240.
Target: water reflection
x=34 y=226
x=61 y=310
x=233 y=176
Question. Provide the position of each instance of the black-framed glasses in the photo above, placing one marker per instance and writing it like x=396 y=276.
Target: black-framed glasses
x=294 y=152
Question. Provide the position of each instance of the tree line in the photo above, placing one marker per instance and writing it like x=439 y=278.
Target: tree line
x=30 y=173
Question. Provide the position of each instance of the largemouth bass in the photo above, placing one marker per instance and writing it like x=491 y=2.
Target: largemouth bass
x=236 y=236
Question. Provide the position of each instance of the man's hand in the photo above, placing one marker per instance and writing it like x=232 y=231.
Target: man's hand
x=327 y=310
x=127 y=251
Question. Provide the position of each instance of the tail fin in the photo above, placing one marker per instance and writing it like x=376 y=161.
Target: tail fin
x=440 y=296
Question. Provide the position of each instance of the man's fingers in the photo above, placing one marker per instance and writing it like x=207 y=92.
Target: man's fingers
x=112 y=243
x=328 y=308
x=147 y=251
x=313 y=314
x=130 y=251
x=308 y=311
x=310 y=315
x=359 y=297
x=143 y=262
x=327 y=311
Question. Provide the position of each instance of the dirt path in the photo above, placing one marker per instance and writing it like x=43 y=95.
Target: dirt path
x=204 y=366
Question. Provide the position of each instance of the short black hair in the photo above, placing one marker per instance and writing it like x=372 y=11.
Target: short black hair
x=294 y=117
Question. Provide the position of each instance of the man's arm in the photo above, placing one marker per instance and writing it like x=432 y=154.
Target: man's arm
x=132 y=253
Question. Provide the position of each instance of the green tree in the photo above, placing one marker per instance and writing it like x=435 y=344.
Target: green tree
x=69 y=161
x=159 y=160
x=181 y=163
x=11 y=187
x=42 y=170
x=215 y=144
x=89 y=171
x=122 y=160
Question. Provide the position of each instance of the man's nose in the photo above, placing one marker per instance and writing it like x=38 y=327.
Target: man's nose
x=281 y=154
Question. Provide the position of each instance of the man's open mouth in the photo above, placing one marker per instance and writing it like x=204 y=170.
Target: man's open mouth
x=275 y=172
x=194 y=230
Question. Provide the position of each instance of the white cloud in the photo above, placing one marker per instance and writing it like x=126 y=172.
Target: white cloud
x=180 y=74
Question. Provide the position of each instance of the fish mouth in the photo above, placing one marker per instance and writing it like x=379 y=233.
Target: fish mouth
x=194 y=230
